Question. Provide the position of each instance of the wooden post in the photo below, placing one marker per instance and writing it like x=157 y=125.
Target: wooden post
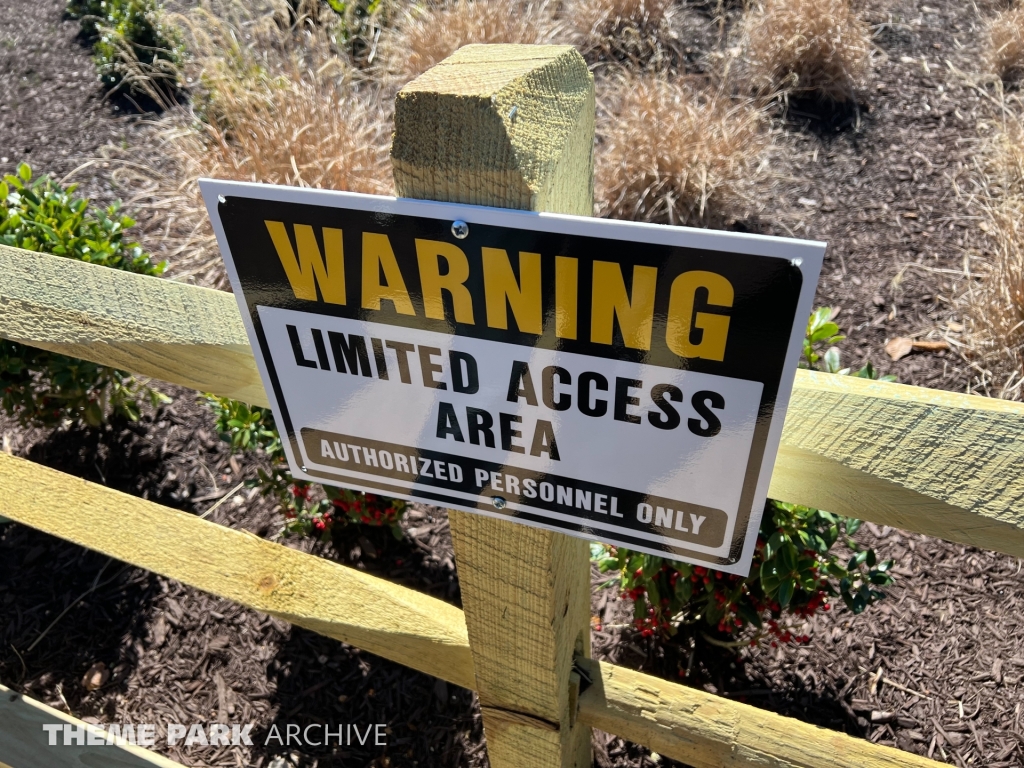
x=512 y=126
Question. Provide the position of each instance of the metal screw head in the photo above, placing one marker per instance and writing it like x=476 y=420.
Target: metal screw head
x=302 y=468
x=498 y=502
x=221 y=199
x=460 y=229
x=796 y=262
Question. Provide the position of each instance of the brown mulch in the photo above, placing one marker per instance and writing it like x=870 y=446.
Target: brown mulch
x=53 y=114
x=178 y=655
x=936 y=669
x=878 y=184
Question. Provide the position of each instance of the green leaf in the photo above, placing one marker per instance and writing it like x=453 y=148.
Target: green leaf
x=787 y=558
x=818 y=317
x=653 y=595
x=24 y=172
x=684 y=590
x=824 y=331
x=786 y=589
x=748 y=614
x=831 y=359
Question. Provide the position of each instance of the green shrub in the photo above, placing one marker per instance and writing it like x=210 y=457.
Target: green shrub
x=794 y=572
x=131 y=47
x=821 y=330
x=43 y=388
x=307 y=511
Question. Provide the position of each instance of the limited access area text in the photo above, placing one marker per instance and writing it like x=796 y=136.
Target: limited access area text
x=646 y=441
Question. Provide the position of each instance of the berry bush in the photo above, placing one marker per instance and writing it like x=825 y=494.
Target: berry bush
x=794 y=573
x=43 y=388
x=309 y=509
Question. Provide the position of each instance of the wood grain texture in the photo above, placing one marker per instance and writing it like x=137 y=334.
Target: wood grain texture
x=526 y=594
x=511 y=126
x=707 y=731
x=392 y=621
x=171 y=331
x=940 y=463
x=24 y=743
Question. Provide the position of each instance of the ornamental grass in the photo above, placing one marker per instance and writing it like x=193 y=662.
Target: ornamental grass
x=1004 y=54
x=272 y=102
x=675 y=152
x=995 y=302
x=425 y=34
x=806 y=48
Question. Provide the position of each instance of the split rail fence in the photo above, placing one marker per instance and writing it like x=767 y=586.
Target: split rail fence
x=513 y=127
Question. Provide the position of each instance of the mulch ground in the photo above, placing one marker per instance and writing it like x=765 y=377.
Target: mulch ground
x=935 y=669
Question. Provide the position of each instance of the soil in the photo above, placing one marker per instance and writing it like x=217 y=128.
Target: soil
x=879 y=184
x=934 y=669
x=53 y=114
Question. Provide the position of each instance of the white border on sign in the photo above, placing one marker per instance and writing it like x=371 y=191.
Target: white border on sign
x=806 y=255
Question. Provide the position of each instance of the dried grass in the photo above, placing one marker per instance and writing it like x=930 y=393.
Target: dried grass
x=425 y=35
x=814 y=48
x=1004 y=55
x=996 y=302
x=272 y=103
x=675 y=152
x=635 y=30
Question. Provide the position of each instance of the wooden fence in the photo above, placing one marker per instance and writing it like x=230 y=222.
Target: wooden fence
x=943 y=464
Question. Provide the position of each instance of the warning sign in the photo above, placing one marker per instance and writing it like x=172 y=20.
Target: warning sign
x=616 y=381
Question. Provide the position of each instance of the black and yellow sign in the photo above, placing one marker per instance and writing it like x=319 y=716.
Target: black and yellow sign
x=622 y=382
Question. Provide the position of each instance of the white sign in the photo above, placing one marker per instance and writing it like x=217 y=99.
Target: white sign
x=621 y=382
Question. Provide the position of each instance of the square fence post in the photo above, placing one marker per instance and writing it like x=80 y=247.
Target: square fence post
x=512 y=126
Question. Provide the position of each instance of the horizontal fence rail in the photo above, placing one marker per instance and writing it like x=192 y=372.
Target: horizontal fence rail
x=25 y=744
x=940 y=463
x=708 y=731
x=400 y=624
